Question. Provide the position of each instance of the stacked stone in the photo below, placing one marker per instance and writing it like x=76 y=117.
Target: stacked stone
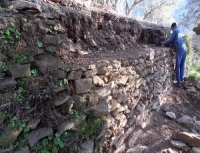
x=126 y=91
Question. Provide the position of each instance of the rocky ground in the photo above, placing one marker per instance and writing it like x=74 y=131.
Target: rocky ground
x=175 y=127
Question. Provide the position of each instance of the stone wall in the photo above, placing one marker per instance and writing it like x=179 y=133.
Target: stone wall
x=67 y=60
x=126 y=91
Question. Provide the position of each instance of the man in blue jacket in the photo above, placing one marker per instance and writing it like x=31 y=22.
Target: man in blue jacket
x=178 y=44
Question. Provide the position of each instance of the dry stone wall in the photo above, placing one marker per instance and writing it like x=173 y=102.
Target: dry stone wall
x=126 y=91
x=51 y=61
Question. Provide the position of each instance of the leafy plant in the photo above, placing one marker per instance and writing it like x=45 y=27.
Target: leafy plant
x=89 y=128
x=62 y=82
x=73 y=113
x=22 y=81
x=9 y=36
x=39 y=44
x=34 y=72
x=3 y=67
x=53 y=29
x=16 y=122
x=188 y=42
x=195 y=71
x=45 y=92
x=18 y=97
x=23 y=58
x=51 y=144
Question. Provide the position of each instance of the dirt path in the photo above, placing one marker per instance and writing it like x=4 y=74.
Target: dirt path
x=160 y=128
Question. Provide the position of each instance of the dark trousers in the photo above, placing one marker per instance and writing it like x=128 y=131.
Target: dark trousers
x=180 y=63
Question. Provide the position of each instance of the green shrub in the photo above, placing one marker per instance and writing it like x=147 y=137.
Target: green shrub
x=190 y=52
x=195 y=71
x=9 y=36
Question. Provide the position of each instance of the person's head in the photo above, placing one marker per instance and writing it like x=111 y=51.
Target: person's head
x=173 y=25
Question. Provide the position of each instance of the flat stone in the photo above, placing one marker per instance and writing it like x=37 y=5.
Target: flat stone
x=47 y=62
x=65 y=126
x=186 y=121
x=22 y=5
x=79 y=101
x=38 y=134
x=26 y=150
x=89 y=73
x=120 y=149
x=171 y=115
x=9 y=137
x=104 y=92
x=97 y=81
x=87 y=147
x=188 y=138
x=151 y=54
x=53 y=39
x=191 y=89
x=62 y=98
x=122 y=81
x=7 y=83
x=74 y=75
x=83 y=85
x=19 y=71
x=121 y=96
x=177 y=144
x=122 y=137
x=92 y=98
x=134 y=137
x=101 y=109
x=137 y=149
x=195 y=150
x=49 y=16
x=51 y=49
x=33 y=123
x=101 y=70
x=70 y=125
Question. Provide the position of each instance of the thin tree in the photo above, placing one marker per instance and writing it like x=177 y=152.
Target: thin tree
x=130 y=8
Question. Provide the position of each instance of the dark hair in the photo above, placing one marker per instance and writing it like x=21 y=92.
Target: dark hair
x=173 y=25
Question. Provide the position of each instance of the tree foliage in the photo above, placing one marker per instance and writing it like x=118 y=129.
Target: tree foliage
x=159 y=11
x=192 y=16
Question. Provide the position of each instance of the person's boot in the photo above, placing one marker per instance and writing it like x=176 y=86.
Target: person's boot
x=177 y=84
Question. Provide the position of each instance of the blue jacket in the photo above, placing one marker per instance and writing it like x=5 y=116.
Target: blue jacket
x=176 y=40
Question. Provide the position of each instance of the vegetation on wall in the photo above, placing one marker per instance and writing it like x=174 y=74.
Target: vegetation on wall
x=9 y=36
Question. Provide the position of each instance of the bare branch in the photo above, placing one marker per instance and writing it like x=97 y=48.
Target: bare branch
x=128 y=10
x=153 y=9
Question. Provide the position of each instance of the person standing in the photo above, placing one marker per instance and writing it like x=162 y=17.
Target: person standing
x=180 y=48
